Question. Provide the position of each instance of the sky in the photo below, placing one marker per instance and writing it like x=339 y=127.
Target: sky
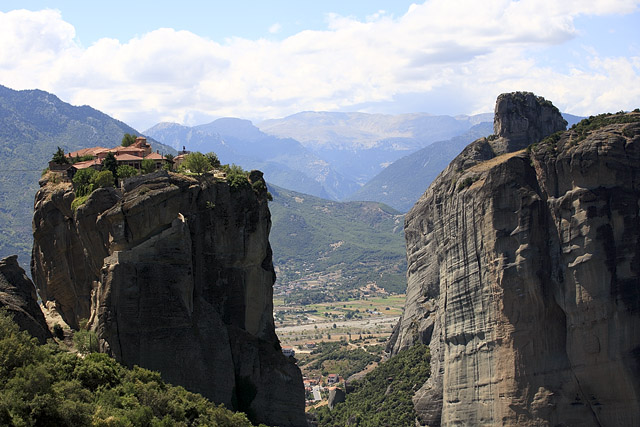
x=191 y=62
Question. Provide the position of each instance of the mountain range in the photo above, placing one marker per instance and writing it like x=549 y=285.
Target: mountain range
x=328 y=155
x=332 y=156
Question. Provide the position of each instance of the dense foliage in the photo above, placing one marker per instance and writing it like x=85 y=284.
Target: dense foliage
x=43 y=385
x=196 y=162
x=126 y=171
x=236 y=177
x=59 y=157
x=147 y=166
x=383 y=396
x=83 y=181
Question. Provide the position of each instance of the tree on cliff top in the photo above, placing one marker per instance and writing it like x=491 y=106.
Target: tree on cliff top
x=128 y=139
x=196 y=162
x=59 y=157
x=110 y=163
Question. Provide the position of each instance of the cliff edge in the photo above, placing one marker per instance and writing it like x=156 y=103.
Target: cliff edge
x=523 y=274
x=175 y=275
x=18 y=297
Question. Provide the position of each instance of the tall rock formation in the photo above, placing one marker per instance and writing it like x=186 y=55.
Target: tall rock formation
x=175 y=275
x=18 y=297
x=523 y=275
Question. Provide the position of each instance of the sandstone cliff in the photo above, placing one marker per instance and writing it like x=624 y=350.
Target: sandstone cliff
x=175 y=275
x=523 y=275
x=18 y=297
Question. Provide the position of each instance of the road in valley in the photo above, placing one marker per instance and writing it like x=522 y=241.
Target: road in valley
x=357 y=323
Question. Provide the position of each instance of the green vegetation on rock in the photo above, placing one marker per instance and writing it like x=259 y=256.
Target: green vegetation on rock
x=383 y=396
x=45 y=385
x=128 y=139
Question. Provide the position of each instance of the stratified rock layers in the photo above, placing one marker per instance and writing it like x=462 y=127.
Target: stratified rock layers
x=523 y=280
x=175 y=275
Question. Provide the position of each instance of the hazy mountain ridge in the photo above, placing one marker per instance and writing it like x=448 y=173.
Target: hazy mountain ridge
x=33 y=123
x=360 y=145
x=402 y=183
x=285 y=160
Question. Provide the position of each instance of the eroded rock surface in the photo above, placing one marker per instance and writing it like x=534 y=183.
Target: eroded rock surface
x=523 y=278
x=18 y=297
x=175 y=275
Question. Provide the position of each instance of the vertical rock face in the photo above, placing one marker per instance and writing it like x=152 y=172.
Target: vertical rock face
x=18 y=297
x=175 y=275
x=521 y=119
x=523 y=278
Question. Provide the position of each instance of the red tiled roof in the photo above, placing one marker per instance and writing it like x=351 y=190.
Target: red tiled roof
x=86 y=164
x=155 y=156
x=126 y=157
x=93 y=151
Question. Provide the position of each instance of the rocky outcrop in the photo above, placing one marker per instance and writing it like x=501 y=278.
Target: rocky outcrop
x=523 y=276
x=18 y=297
x=336 y=395
x=175 y=275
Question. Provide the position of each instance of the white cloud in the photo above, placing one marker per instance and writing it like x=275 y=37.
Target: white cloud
x=275 y=28
x=475 y=53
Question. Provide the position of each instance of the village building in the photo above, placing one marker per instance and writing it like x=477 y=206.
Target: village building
x=288 y=351
x=333 y=379
x=133 y=155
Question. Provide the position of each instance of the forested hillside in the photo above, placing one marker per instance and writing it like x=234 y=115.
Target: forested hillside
x=342 y=246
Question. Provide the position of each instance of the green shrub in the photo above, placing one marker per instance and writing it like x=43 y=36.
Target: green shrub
x=467 y=182
x=78 y=201
x=126 y=171
x=83 y=181
x=103 y=179
x=85 y=341
x=147 y=166
x=43 y=385
x=196 y=162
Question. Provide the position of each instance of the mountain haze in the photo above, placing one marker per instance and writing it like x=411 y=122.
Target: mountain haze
x=284 y=160
x=360 y=145
x=402 y=183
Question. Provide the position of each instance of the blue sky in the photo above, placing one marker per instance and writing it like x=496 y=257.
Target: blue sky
x=216 y=20
x=191 y=62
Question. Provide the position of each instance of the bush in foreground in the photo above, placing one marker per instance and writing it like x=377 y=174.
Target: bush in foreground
x=44 y=385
